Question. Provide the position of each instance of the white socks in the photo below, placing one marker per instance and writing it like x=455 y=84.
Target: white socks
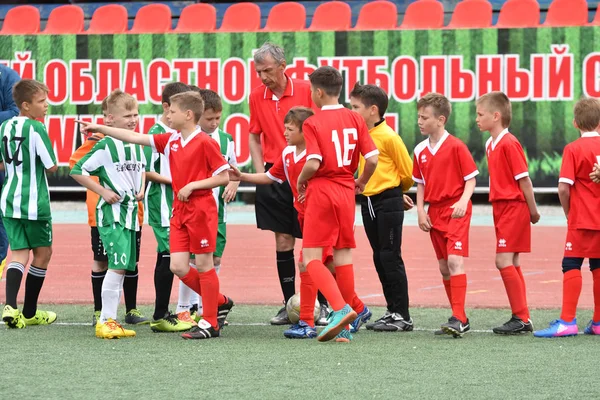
x=111 y=294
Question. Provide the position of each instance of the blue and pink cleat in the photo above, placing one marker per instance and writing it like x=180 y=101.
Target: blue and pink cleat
x=593 y=328
x=559 y=328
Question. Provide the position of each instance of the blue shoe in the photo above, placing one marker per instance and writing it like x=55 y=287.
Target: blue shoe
x=301 y=330
x=344 y=336
x=338 y=320
x=362 y=318
x=592 y=328
x=558 y=328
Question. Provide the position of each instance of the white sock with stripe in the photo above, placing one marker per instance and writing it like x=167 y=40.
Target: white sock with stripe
x=111 y=289
x=183 y=301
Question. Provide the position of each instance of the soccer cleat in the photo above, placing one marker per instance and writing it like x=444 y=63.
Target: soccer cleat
x=592 y=328
x=13 y=318
x=203 y=330
x=323 y=313
x=370 y=325
x=41 y=318
x=439 y=332
x=344 y=336
x=455 y=327
x=195 y=313
x=186 y=317
x=224 y=310
x=96 y=317
x=2 y=265
x=394 y=323
x=135 y=317
x=337 y=321
x=514 y=326
x=362 y=318
x=558 y=328
x=111 y=329
x=301 y=330
x=170 y=323
x=281 y=318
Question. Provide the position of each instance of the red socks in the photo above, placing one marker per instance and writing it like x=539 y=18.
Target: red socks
x=515 y=291
x=344 y=275
x=210 y=297
x=596 y=275
x=448 y=290
x=520 y=272
x=192 y=280
x=458 y=284
x=308 y=295
x=326 y=284
x=571 y=291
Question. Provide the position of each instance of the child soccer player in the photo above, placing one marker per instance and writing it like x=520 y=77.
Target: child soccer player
x=121 y=169
x=445 y=174
x=194 y=223
x=383 y=206
x=513 y=204
x=123 y=118
x=159 y=203
x=26 y=156
x=209 y=123
x=334 y=139
x=579 y=199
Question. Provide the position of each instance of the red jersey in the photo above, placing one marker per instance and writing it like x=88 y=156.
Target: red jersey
x=267 y=113
x=506 y=165
x=444 y=169
x=336 y=136
x=577 y=164
x=288 y=168
x=194 y=159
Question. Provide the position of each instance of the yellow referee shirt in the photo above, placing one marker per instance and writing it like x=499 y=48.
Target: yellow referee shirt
x=394 y=165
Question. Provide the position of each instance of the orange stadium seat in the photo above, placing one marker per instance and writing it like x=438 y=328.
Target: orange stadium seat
x=472 y=14
x=21 y=20
x=241 y=17
x=332 y=16
x=567 y=13
x=111 y=18
x=197 y=18
x=286 y=16
x=65 y=19
x=519 y=14
x=378 y=14
x=152 y=18
x=424 y=14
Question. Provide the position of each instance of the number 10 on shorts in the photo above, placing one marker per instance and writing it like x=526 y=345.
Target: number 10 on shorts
x=344 y=155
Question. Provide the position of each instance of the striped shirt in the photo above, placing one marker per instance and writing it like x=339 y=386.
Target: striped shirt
x=227 y=147
x=26 y=154
x=159 y=197
x=120 y=168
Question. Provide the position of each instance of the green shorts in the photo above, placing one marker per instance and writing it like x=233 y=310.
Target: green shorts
x=120 y=246
x=28 y=234
x=161 y=234
x=221 y=239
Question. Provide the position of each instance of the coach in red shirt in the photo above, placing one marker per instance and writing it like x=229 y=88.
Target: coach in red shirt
x=269 y=103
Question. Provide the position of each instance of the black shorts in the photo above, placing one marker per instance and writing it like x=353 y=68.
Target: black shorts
x=275 y=210
x=98 y=247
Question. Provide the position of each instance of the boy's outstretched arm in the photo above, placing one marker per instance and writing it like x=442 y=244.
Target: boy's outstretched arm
x=123 y=135
x=527 y=188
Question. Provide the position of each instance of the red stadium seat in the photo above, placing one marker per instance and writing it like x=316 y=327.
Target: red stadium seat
x=111 y=18
x=152 y=18
x=286 y=16
x=519 y=14
x=21 y=20
x=375 y=15
x=65 y=20
x=567 y=13
x=332 y=16
x=197 y=18
x=472 y=14
x=241 y=17
x=424 y=14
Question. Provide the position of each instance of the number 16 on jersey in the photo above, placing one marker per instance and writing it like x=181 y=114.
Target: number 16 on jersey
x=344 y=154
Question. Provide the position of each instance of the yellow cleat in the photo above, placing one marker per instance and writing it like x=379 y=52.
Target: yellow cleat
x=186 y=317
x=41 y=318
x=111 y=329
x=13 y=318
x=2 y=265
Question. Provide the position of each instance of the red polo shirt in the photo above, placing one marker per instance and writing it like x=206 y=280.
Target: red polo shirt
x=267 y=113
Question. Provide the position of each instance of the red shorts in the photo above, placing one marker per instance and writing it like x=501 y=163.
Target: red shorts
x=327 y=252
x=582 y=243
x=329 y=216
x=194 y=226
x=513 y=227
x=449 y=235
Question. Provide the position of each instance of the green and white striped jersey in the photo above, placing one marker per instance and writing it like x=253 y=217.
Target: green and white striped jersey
x=26 y=154
x=227 y=146
x=159 y=197
x=120 y=167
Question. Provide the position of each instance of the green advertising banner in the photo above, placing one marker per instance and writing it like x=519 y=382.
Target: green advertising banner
x=544 y=71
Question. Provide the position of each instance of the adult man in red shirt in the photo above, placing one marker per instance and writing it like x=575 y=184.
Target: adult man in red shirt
x=269 y=103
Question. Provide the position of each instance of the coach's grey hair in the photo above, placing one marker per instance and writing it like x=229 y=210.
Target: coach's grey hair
x=271 y=49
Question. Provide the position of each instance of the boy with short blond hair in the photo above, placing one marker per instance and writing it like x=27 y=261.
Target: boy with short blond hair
x=513 y=204
x=445 y=174
x=579 y=196
x=27 y=155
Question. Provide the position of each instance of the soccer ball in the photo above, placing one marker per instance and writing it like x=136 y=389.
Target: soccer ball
x=293 y=308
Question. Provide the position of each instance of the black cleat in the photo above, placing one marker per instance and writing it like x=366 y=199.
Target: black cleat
x=323 y=313
x=204 y=330
x=514 y=326
x=223 y=311
x=281 y=318
x=384 y=318
x=439 y=332
x=455 y=327
x=394 y=323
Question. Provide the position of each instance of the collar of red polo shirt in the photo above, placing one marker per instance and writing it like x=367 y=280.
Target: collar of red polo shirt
x=289 y=89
